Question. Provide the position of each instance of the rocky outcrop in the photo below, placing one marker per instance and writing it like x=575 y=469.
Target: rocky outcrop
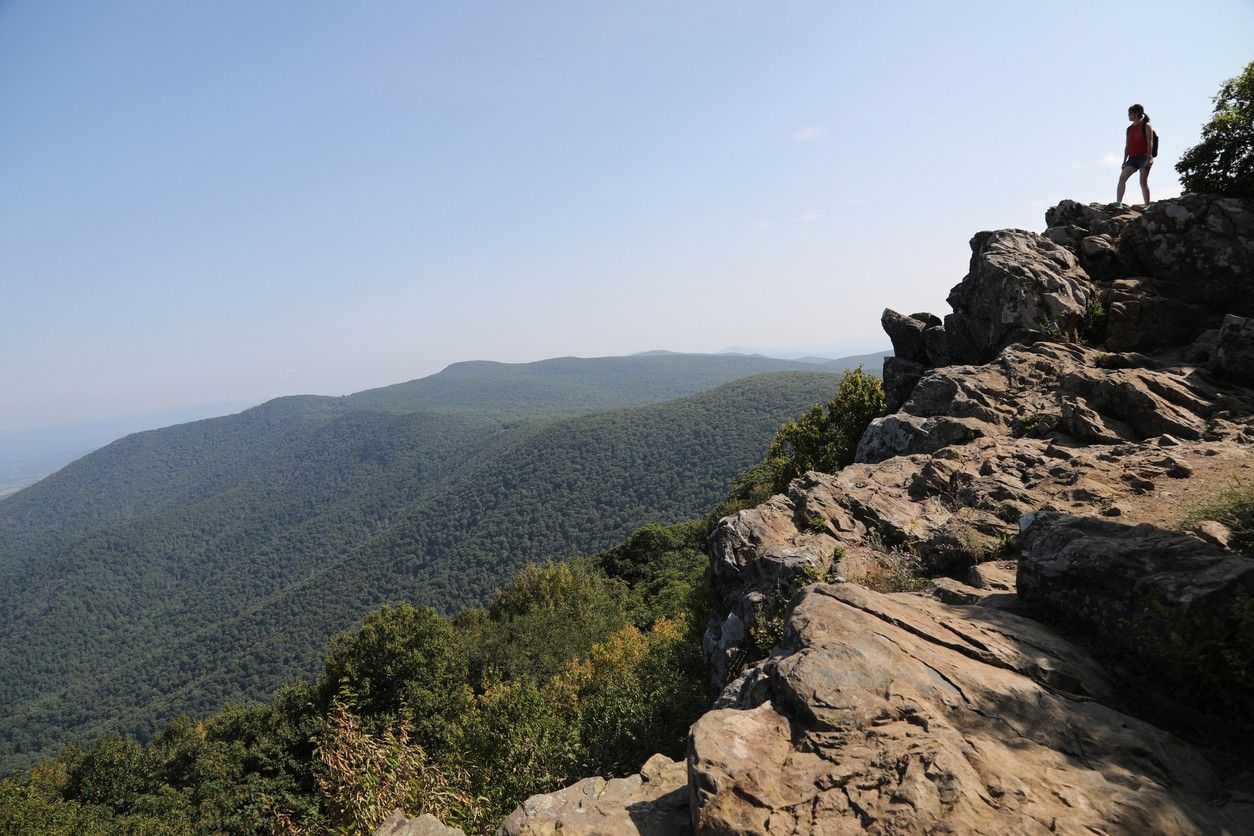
x=1178 y=603
x=1234 y=350
x=655 y=802
x=1085 y=375
x=1020 y=287
x=1201 y=245
x=1049 y=425
x=398 y=824
x=897 y=714
x=1141 y=315
x=910 y=336
x=1124 y=279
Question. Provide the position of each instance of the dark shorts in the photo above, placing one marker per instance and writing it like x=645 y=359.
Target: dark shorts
x=1136 y=162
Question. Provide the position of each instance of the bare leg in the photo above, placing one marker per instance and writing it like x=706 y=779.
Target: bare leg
x=1123 y=182
x=1145 y=183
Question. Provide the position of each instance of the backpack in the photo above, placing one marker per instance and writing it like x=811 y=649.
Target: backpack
x=1153 y=143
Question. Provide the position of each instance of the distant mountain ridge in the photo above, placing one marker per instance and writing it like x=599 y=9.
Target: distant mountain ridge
x=139 y=580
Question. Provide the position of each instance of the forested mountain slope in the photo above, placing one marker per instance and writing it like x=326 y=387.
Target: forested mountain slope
x=572 y=385
x=224 y=588
x=166 y=468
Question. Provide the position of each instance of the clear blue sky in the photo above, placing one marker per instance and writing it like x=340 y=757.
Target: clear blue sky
x=227 y=201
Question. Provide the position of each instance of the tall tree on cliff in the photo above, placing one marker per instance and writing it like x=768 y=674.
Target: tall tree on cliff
x=1223 y=162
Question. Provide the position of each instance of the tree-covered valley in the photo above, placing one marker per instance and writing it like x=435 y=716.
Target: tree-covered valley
x=583 y=666
x=174 y=571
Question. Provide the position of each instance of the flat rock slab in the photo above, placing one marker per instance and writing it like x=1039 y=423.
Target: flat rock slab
x=899 y=714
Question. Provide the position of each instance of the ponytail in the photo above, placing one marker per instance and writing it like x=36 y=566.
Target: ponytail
x=1140 y=111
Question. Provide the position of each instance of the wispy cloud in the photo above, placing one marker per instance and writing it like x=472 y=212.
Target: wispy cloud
x=1110 y=161
x=763 y=226
x=808 y=217
x=808 y=133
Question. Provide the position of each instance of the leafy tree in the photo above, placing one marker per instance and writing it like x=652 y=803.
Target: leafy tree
x=635 y=694
x=825 y=437
x=1223 y=162
x=112 y=773
x=32 y=803
x=516 y=742
x=401 y=657
x=665 y=568
x=546 y=615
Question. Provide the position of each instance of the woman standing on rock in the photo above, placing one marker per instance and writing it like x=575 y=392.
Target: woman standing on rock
x=1137 y=154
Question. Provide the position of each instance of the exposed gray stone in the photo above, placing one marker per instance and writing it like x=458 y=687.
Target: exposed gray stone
x=1140 y=316
x=1101 y=259
x=1141 y=588
x=1202 y=244
x=906 y=333
x=425 y=825
x=1020 y=287
x=901 y=434
x=1234 y=349
x=899 y=377
x=653 y=802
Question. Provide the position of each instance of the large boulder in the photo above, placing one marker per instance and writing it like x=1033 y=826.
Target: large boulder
x=1141 y=314
x=1234 y=350
x=1081 y=220
x=1150 y=402
x=398 y=824
x=1202 y=245
x=898 y=714
x=1173 y=601
x=906 y=333
x=902 y=434
x=910 y=359
x=1021 y=287
x=1100 y=258
x=899 y=378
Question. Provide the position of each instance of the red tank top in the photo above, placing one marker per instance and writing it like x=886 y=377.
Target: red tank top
x=1136 y=145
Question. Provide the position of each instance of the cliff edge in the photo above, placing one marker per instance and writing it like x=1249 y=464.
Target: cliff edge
x=1070 y=661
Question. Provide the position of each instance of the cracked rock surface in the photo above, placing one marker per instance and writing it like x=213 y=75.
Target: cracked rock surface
x=897 y=714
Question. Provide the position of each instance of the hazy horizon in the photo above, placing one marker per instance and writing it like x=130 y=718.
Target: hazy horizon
x=28 y=454
x=224 y=204
x=209 y=409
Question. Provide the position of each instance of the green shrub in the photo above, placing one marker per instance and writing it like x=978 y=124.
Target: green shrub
x=402 y=656
x=1223 y=162
x=895 y=570
x=516 y=742
x=1096 y=320
x=634 y=695
x=1209 y=657
x=826 y=437
x=1037 y=424
x=548 y=614
x=362 y=777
